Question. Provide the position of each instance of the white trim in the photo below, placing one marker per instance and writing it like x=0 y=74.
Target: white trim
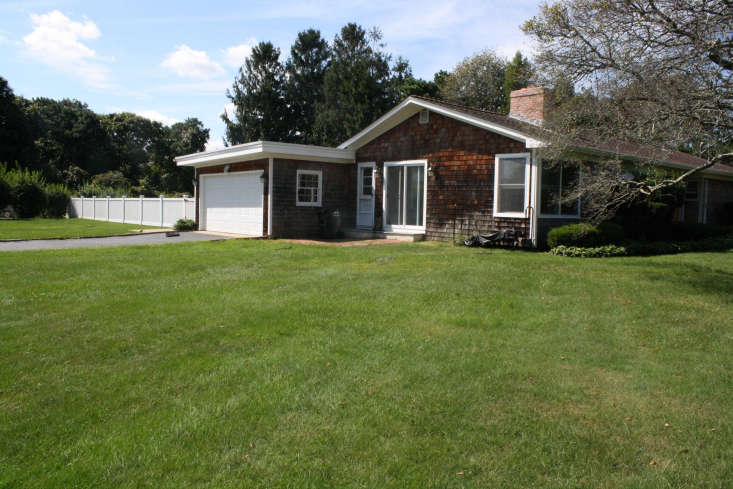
x=266 y=149
x=534 y=197
x=298 y=203
x=558 y=216
x=202 y=215
x=359 y=183
x=410 y=106
x=527 y=159
x=270 y=172
x=405 y=228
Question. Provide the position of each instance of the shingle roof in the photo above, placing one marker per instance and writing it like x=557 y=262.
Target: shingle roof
x=621 y=148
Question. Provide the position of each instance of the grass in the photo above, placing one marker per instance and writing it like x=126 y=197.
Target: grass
x=42 y=228
x=267 y=364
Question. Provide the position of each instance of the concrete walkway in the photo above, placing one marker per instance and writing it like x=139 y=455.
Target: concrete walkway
x=131 y=240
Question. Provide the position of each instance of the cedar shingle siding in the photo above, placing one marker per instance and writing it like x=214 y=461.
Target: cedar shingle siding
x=462 y=183
x=338 y=193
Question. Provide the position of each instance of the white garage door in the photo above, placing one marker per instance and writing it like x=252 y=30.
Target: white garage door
x=232 y=203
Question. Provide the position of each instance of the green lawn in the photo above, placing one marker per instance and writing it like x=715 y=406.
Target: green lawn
x=266 y=364
x=61 y=228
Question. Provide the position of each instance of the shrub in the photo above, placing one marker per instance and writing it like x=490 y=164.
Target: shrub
x=591 y=252
x=26 y=191
x=185 y=225
x=581 y=234
x=647 y=248
x=725 y=214
x=681 y=231
x=92 y=190
x=57 y=200
x=5 y=197
x=111 y=179
x=611 y=232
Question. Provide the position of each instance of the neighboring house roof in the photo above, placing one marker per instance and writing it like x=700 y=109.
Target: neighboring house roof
x=520 y=130
x=266 y=149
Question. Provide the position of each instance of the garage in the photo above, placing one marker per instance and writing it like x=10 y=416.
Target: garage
x=232 y=203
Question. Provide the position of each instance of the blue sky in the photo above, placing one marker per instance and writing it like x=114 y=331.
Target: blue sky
x=173 y=60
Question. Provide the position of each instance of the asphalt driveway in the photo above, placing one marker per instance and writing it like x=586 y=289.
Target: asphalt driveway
x=131 y=240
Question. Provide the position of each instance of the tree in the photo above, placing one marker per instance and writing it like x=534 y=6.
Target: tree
x=357 y=87
x=405 y=84
x=181 y=138
x=131 y=138
x=14 y=136
x=65 y=134
x=477 y=81
x=258 y=95
x=518 y=74
x=306 y=68
x=656 y=73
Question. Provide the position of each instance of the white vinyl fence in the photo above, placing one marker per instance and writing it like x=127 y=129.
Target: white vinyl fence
x=163 y=212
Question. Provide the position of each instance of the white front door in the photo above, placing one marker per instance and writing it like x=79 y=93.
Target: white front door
x=365 y=195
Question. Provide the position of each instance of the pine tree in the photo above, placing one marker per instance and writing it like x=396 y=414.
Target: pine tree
x=258 y=95
x=306 y=68
x=357 y=86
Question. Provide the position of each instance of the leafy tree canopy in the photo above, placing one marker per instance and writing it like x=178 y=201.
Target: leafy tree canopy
x=653 y=72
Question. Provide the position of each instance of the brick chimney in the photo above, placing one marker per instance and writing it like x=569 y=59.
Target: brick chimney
x=531 y=104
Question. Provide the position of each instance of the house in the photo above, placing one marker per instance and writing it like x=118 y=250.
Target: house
x=425 y=169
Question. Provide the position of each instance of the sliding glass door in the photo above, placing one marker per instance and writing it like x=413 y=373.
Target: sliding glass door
x=404 y=196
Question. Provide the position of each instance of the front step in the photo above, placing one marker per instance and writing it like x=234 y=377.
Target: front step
x=367 y=234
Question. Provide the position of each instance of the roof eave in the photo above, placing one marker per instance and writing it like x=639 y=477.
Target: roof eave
x=670 y=164
x=266 y=149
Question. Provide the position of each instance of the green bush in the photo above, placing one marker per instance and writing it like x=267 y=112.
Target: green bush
x=647 y=248
x=26 y=191
x=581 y=234
x=611 y=232
x=93 y=190
x=185 y=225
x=681 y=231
x=57 y=200
x=5 y=197
x=724 y=214
x=590 y=252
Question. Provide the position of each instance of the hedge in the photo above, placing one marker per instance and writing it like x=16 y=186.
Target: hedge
x=58 y=198
x=645 y=248
x=185 y=225
x=30 y=195
x=580 y=234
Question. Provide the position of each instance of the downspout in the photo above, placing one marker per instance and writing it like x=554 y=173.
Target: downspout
x=534 y=191
x=270 y=176
x=195 y=196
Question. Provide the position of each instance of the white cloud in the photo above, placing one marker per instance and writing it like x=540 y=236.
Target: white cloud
x=154 y=115
x=234 y=56
x=214 y=142
x=189 y=63
x=57 y=41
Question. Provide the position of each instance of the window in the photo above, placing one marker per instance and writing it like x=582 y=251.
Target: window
x=559 y=180
x=404 y=195
x=367 y=188
x=510 y=185
x=308 y=189
x=691 y=191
